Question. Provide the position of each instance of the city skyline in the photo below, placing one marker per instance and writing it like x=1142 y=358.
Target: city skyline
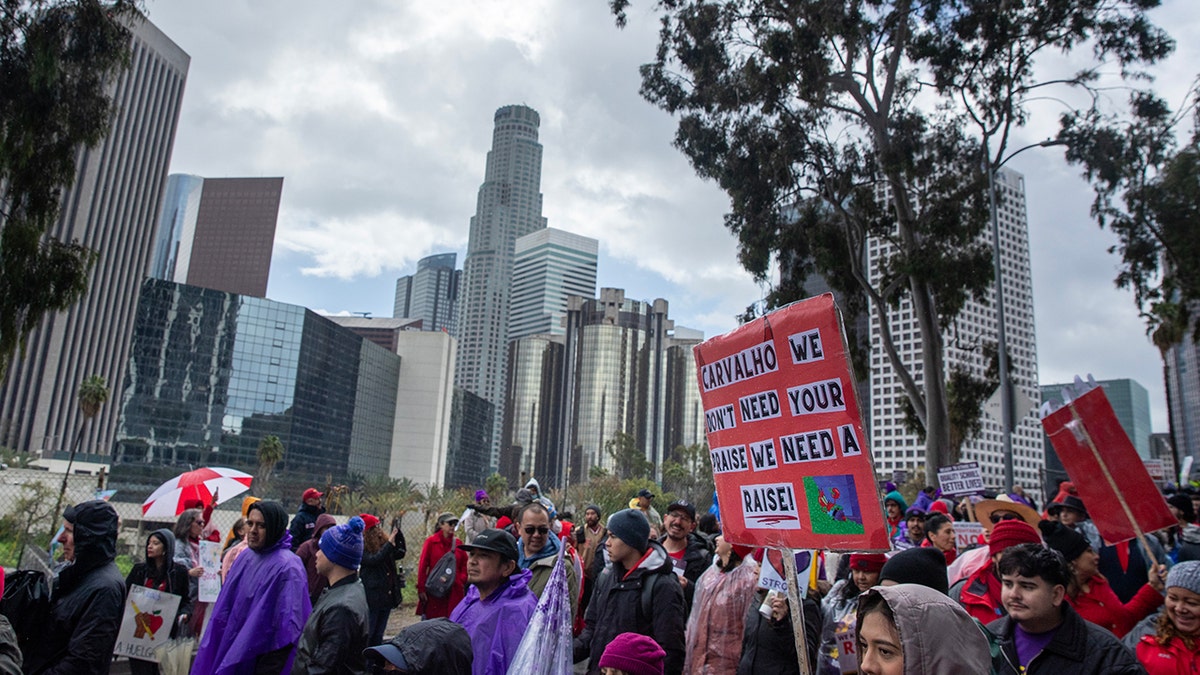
x=374 y=119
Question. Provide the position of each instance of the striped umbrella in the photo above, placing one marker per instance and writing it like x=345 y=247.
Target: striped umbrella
x=169 y=499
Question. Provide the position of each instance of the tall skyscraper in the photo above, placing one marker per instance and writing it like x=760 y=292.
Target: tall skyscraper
x=548 y=267
x=895 y=447
x=112 y=207
x=218 y=233
x=509 y=206
x=1183 y=395
x=431 y=294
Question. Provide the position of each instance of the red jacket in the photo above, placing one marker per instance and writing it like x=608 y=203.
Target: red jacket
x=432 y=550
x=1172 y=659
x=980 y=595
x=1101 y=606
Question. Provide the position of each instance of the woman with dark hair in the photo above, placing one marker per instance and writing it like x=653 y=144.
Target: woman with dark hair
x=160 y=572
x=236 y=534
x=1169 y=642
x=893 y=628
x=839 y=609
x=939 y=534
x=378 y=574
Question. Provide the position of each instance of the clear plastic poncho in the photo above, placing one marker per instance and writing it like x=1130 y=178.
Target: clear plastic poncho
x=546 y=648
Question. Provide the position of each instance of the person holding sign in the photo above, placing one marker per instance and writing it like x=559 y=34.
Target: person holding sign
x=160 y=572
x=840 y=607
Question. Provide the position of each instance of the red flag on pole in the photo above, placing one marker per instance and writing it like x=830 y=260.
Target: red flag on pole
x=1112 y=481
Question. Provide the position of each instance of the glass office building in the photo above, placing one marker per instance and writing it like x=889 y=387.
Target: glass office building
x=532 y=441
x=211 y=373
x=470 y=446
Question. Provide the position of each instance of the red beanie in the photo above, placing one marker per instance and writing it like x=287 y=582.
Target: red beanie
x=635 y=654
x=1008 y=533
x=939 y=506
x=867 y=562
x=369 y=521
x=742 y=550
x=504 y=522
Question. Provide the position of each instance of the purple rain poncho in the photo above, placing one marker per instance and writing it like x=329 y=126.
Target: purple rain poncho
x=262 y=607
x=497 y=624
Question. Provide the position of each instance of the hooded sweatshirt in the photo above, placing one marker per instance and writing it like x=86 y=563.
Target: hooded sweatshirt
x=308 y=556
x=88 y=599
x=262 y=607
x=938 y=637
x=497 y=624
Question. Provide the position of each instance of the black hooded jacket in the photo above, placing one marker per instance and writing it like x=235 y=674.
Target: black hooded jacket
x=275 y=520
x=175 y=579
x=87 y=602
x=304 y=524
x=433 y=647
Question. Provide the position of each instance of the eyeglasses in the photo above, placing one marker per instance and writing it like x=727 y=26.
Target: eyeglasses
x=997 y=517
x=530 y=530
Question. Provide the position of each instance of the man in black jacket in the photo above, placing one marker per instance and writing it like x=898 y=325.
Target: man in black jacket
x=638 y=593
x=688 y=551
x=89 y=597
x=304 y=524
x=1041 y=633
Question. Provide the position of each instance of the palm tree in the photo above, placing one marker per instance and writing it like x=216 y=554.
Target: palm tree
x=270 y=453
x=92 y=394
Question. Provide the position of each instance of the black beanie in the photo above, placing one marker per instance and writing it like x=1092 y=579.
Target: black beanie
x=924 y=565
x=631 y=527
x=1184 y=504
x=1063 y=539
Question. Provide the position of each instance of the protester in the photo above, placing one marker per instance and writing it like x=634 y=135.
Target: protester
x=979 y=593
x=435 y=547
x=687 y=550
x=924 y=566
x=160 y=572
x=236 y=534
x=915 y=629
x=1042 y=633
x=840 y=610
x=769 y=644
x=308 y=555
x=476 y=521
x=499 y=605
x=257 y=618
x=636 y=593
x=10 y=652
x=234 y=551
x=895 y=506
x=1123 y=565
x=335 y=635
x=632 y=654
x=304 y=524
x=1088 y=591
x=1169 y=642
x=1183 y=540
x=991 y=512
x=436 y=647
x=88 y=597
x=539 y=552
x=939 y=535
x=644 y=497
x=189 y=529
x=717 y=621
x=913 y=533
x=591 y=535
x=378 y=574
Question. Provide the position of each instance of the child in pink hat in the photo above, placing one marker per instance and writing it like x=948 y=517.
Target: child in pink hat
x=632 y=654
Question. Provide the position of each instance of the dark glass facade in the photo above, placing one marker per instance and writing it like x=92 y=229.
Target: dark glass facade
x=210 y=373
x=468 y=458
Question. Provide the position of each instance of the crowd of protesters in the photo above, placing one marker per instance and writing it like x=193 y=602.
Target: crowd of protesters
x=1038 y=592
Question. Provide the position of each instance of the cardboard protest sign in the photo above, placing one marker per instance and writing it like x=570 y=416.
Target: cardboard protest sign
x=967 y=534
x=772 y=574
x=1097 y=453
x=1157 y=470
x=960 y=479
x=149 y=615
x=210 y=581
x=789 y=456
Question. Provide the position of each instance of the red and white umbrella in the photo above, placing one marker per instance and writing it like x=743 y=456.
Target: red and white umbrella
x=169 y=499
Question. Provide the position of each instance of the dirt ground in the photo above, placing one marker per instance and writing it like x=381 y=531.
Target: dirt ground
x=403 y=616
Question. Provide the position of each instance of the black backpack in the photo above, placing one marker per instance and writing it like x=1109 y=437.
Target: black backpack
x=26 y=604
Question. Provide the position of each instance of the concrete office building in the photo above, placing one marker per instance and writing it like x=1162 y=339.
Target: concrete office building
x=509 y=206
x=549 y=266
x=431 y=294
x=893 y=445
x=218 y=233
x=112 y=207
x=1131 y=403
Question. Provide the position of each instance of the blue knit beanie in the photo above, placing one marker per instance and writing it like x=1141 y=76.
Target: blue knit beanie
x=343 y=544
x=631 y=527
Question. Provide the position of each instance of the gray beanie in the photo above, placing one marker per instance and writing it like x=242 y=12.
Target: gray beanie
x=1185 y=575
x=631 y=527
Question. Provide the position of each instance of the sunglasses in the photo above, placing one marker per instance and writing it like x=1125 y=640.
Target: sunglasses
x=998 y=518
x=530 y=530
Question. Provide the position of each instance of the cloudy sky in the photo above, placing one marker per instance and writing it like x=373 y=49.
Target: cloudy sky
x=379 y=116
